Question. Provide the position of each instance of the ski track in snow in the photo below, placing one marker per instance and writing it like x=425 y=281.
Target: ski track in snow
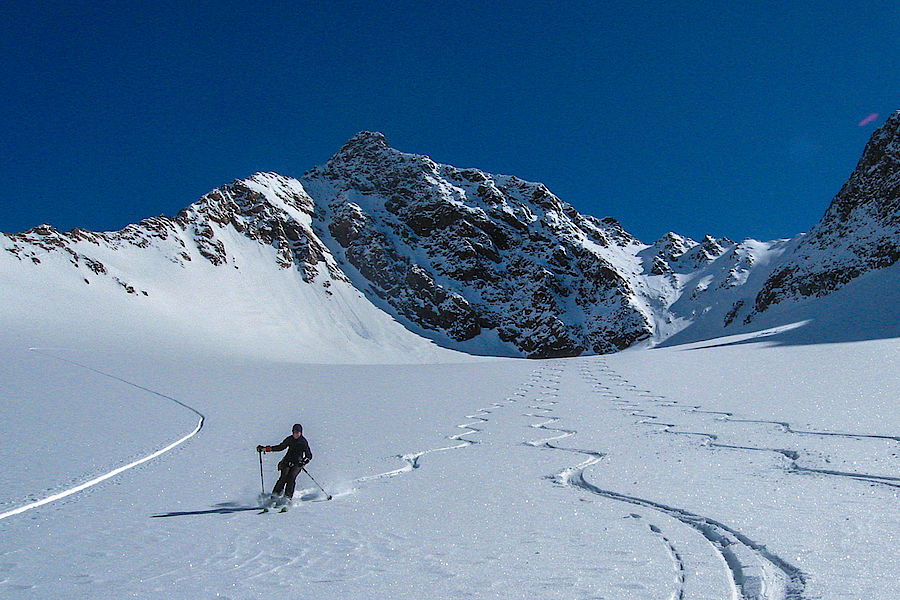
x=411 y=460
x=569 y=475
x=770 y=572
x=710 y=439
x=103 y=477
x=755 y=573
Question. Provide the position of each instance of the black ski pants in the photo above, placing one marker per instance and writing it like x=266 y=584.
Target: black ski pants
x=287 y=481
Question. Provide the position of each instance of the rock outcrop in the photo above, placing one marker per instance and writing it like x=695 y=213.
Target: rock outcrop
x=860 y=231
x=459 y=252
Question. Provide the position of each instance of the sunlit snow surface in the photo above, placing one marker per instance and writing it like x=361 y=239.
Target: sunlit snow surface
x=715 y=470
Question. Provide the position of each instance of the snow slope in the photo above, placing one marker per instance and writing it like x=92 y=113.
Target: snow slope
x=745 y=468
x=250 y=306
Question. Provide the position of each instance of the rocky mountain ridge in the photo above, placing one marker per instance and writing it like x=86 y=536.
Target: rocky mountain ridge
x=267 y=208
x=859 y=233
x=461 y=251
x=493 y=264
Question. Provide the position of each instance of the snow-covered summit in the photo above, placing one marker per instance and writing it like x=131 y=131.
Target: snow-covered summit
x=671 y=246
x=362 y=142
x=491 y=262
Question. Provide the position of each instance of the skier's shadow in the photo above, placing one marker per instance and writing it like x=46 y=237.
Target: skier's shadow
x=223 y=508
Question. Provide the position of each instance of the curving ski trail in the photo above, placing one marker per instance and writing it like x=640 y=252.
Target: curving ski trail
x=710 y=440
x=122 y=469
x=755 y=573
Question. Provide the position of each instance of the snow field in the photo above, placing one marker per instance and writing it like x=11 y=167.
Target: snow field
x=798 y=439
x=744 y=471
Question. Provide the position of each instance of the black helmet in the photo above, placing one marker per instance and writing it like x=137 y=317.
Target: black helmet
x=297 y=428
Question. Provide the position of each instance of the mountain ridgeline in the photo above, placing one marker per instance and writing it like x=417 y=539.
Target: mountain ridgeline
x=491 y=264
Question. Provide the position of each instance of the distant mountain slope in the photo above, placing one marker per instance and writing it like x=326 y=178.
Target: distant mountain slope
x=240 y=271
x=375 y=253
x=463 y=253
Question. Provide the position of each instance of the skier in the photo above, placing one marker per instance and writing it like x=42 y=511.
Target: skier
x=298 y=454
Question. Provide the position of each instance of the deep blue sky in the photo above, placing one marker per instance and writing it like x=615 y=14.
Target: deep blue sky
x=693 y=117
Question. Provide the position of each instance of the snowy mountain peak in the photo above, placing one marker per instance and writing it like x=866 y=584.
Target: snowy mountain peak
x=709 y=249
x=474 y=261
x=671 y=246
x=482 y=262
x=674 y=253
x=365 y=145
x=364 y=140
x=256 y=197
x=884 y=139
x=715 y=246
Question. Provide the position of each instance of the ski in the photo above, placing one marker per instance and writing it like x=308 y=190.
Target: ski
x=280 y=504
x=272 y=503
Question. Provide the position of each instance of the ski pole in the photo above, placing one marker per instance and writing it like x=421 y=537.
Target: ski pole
x=261 y=481
x=327 y=495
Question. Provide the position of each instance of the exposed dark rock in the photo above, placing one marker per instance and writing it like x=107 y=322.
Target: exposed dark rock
x=507 y=252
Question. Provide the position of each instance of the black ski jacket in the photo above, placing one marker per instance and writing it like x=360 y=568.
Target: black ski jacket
x=297 y=450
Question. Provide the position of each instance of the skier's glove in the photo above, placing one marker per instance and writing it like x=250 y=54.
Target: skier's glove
x=268 y=448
